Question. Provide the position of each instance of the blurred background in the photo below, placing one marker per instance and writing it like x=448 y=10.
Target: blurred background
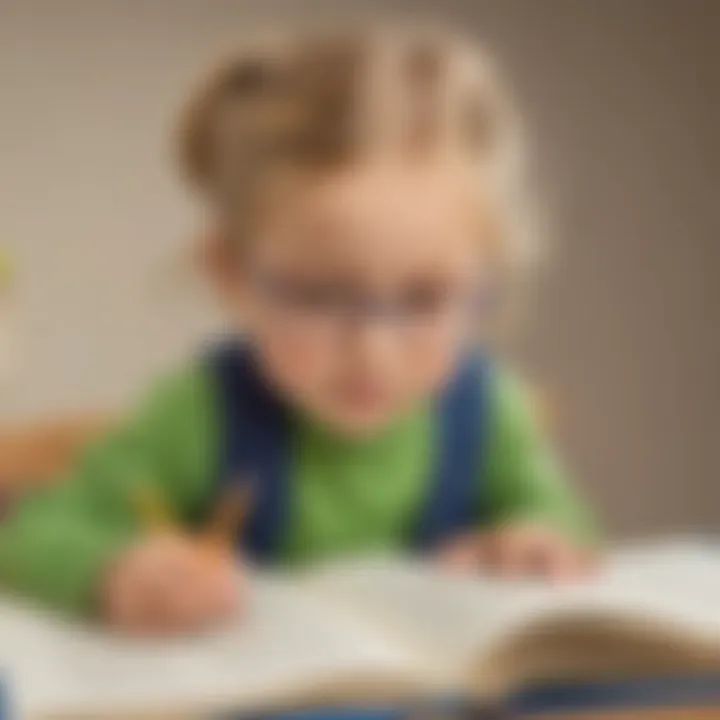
x=623 y=102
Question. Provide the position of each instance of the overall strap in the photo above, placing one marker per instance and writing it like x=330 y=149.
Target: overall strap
x=255 y=448
x=254 y=444
x=454 y=502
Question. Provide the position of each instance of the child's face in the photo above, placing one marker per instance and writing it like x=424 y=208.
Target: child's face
x=359 y=291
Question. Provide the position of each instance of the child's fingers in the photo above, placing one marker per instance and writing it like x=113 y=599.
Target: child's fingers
x=140 y=605
x=515 y=552
x=171 y=606
x=585 y=563
x=560 y=561
x=497 y=552
x=460 y=555
x=123 y=606
x=200 y=594
x=557 y=562
x=170 y=583
x=150 y=590
x=511 y=554
x=203 y=591
x=543 y=555
x=186 y=606
x=222 y=593
x=145 y=611
x=518 y=551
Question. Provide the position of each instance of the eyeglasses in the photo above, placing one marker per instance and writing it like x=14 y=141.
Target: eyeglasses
x=331 y=308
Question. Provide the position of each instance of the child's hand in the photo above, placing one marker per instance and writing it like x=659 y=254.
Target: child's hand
x=518 y=550
x=168 y=583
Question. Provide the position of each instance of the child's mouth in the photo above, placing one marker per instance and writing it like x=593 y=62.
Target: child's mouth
x=362 y=396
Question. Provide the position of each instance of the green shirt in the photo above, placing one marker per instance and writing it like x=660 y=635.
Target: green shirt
x=346 y=495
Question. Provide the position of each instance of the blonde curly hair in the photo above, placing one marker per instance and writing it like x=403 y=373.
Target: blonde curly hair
x=310 y=102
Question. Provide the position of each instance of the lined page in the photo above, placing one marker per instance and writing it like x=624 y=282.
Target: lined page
x=455 y=619
x=287 y=643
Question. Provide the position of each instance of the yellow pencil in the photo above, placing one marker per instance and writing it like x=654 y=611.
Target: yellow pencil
x=151 y=509
x=231 y=514
x=226 y=523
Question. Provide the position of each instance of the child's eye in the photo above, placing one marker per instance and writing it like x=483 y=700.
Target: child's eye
x=426 y=300
x=318 y=297
x=306 y=295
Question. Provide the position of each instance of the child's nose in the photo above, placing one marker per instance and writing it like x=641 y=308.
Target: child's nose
x=375 y=336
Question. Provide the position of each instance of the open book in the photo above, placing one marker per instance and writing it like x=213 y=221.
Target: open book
x=376 y=631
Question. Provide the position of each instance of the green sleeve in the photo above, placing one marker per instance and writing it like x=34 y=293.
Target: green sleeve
x=56 y=543
x=525 y=482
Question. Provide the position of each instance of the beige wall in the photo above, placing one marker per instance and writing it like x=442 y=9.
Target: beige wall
x=623 y=96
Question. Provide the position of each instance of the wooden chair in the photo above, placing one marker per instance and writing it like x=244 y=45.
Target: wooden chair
x=34 y=453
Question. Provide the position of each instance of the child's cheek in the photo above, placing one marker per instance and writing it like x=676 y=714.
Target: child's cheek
x=294 y=362
x=431 y=368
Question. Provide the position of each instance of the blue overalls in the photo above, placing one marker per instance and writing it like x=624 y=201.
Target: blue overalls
x=255 y=448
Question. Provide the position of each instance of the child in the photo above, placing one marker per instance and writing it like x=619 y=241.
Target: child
x=362 y=189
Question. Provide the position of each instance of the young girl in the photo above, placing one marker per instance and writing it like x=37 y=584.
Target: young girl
x=363 y=194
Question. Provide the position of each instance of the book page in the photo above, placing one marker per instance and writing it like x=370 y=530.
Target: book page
x=350 y=627
x=673 y=582
x=651 y=612
x=289 y=646
x=444 y=620
x=455 y=620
